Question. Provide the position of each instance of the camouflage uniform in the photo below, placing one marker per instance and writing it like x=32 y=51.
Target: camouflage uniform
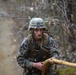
x=31 y=51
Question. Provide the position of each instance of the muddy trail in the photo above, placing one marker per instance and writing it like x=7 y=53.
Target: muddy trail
x=8 y=63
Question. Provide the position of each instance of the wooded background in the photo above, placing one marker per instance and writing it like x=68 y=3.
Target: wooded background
x=59 y=17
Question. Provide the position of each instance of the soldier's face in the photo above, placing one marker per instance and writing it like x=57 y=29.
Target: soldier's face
x=38 y=33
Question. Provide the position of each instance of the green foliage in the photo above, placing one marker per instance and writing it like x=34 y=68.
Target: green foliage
x=67 y=71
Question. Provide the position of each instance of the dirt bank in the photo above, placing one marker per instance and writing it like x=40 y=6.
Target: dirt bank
x=8 y=64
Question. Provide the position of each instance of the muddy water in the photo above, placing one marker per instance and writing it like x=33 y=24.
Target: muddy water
x=8 y=64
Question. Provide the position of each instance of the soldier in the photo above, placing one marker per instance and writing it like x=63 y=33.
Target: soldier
x=35 y=48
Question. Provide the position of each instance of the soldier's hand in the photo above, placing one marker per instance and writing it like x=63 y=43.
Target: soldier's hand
x=39 y=65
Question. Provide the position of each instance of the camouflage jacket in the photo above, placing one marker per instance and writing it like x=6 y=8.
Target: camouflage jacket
x=27 y=55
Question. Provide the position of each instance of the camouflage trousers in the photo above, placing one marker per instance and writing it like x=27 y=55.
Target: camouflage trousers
x=37 y=73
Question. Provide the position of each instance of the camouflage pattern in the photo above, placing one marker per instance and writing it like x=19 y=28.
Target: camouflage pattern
x=27 y=57
x=36 y=23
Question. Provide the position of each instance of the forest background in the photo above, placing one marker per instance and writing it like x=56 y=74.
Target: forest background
x=59 y=17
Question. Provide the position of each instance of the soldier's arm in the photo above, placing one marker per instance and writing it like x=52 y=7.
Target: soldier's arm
x=53 y=48
x=23 y=55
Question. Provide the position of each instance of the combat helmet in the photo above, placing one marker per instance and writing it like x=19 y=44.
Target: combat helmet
x=36 y=23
